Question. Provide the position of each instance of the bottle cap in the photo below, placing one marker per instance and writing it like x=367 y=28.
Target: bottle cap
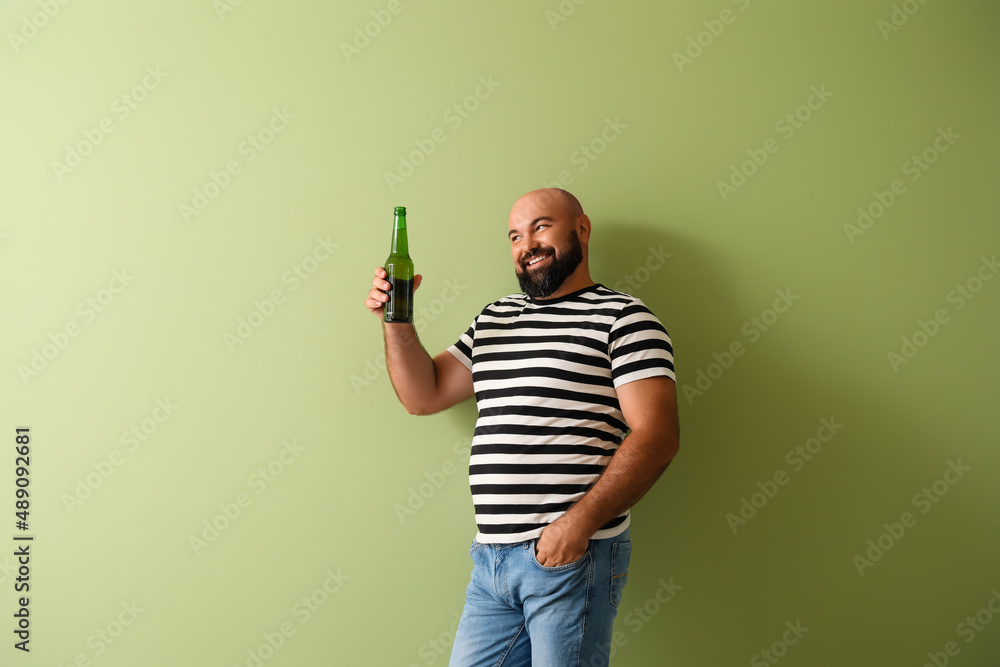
x=400 y=210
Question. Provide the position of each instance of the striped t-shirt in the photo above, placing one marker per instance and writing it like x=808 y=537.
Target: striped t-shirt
x=544 y=374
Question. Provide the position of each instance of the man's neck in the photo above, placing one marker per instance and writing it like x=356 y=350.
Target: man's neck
x=576 y=282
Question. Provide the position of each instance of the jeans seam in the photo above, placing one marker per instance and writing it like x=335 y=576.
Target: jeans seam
x=586 y=607
x=510 y=645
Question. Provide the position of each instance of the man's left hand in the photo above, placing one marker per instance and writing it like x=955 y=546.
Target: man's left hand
x=560 y=543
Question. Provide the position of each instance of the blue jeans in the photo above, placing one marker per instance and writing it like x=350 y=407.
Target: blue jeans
x=520 y=613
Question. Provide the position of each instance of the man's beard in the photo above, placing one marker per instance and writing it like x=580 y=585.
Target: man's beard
x=540 y=283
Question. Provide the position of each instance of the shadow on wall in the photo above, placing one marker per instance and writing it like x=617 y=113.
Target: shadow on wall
x=824 y=466
x=856 y=501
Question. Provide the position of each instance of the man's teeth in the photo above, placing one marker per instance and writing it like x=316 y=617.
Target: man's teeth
x=537 y=259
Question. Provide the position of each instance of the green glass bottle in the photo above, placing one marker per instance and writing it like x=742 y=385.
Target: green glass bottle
x=399 y=274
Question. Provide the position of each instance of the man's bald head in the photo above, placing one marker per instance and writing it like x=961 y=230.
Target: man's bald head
x=547 y=197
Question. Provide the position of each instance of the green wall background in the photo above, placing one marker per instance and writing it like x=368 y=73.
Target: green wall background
x=169 y=276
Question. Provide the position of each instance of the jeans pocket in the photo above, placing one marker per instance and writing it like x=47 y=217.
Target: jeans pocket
x=475 y=545
x=558 y=568
x=620 y=554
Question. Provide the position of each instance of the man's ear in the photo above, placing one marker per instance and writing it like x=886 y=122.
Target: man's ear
x=583 y=228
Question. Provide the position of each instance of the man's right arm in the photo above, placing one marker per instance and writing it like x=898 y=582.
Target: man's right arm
x=423 y=385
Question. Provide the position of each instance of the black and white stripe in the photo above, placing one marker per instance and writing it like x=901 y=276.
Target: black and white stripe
x=544 y=374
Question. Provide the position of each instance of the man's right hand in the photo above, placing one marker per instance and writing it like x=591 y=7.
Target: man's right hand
x=377 y=296
x=422 y=384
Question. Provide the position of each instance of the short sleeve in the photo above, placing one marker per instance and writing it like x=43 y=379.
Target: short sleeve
x=462 y=349
x=639 y=346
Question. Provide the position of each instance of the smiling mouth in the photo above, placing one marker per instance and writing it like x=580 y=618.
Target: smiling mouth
x=536 y=260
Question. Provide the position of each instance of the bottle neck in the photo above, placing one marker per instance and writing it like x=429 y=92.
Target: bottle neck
x=400 y=246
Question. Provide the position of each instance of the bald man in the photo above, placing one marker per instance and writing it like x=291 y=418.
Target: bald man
x=575 y=388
